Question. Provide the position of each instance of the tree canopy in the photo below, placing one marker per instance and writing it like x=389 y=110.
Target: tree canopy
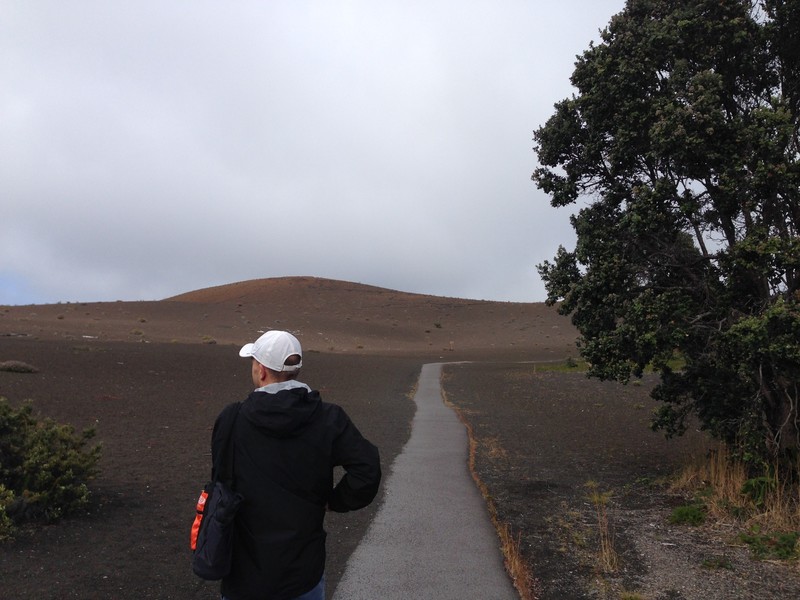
x=680 y=152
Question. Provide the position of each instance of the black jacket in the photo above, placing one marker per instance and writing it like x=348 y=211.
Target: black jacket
x=286 y=445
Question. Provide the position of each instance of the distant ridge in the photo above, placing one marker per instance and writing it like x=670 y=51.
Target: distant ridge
x=258 y=291
x=326 y=314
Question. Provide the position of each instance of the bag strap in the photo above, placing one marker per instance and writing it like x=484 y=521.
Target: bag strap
x=225 y=454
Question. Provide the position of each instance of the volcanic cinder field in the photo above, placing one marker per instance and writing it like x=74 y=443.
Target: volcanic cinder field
x=152 y=376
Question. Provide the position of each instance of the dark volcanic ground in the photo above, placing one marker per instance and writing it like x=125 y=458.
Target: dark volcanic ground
x=152 y=376
x=153 y=406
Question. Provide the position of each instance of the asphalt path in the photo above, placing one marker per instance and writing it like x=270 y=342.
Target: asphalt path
x=432 y=537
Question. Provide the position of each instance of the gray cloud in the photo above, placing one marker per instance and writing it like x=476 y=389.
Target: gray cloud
x=151 y=148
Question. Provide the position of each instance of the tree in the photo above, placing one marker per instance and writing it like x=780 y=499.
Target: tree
x=680 y=150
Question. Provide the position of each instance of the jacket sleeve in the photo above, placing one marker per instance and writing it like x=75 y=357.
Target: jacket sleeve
x=361 y=461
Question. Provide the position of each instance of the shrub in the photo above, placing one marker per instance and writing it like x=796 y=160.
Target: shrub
x=690 y=514
x=758 y=489
x=781 y=546
x=6 y=526
x=44 y=467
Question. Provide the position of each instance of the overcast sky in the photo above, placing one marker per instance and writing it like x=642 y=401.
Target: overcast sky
x=151 y=148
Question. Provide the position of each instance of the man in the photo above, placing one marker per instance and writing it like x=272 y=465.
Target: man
x=286 y=442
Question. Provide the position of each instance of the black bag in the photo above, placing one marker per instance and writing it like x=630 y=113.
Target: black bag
x=212 y=531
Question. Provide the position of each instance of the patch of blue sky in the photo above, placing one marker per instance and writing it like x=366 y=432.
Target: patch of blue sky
x=15 y=290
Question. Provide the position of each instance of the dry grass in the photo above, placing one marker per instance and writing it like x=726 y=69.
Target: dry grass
x=718 y=480
x=511 y=546
x=729 y=494
x=494 y=449
x=607 y=559
x=780 y=510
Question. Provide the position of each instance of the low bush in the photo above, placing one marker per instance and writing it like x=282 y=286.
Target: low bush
x=6 y=526
x=772 y=545
x=44 y=467
x=689 y=514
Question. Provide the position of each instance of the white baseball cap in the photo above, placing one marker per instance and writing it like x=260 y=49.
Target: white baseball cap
x=273 y=348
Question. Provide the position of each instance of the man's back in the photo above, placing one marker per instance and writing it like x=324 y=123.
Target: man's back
x=286 y=443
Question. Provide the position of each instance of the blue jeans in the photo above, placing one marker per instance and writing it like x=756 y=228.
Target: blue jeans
x=318 y=593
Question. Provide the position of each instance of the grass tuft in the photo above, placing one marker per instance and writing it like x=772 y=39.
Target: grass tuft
x=716 y=563
x=607 y=558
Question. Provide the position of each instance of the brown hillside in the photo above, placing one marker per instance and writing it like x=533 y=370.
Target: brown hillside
x=327 y=315
x=284 y=289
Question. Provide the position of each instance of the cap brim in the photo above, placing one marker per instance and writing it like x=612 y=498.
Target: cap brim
x=247 y=350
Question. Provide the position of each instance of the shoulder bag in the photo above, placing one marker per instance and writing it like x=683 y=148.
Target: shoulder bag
x=213 y=527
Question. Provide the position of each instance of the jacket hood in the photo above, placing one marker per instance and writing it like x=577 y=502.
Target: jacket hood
x=284 y=413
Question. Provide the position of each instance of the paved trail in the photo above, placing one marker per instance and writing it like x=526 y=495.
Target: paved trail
x=432 y=538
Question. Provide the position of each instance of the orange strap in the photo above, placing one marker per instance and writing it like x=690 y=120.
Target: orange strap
x=201 y=505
